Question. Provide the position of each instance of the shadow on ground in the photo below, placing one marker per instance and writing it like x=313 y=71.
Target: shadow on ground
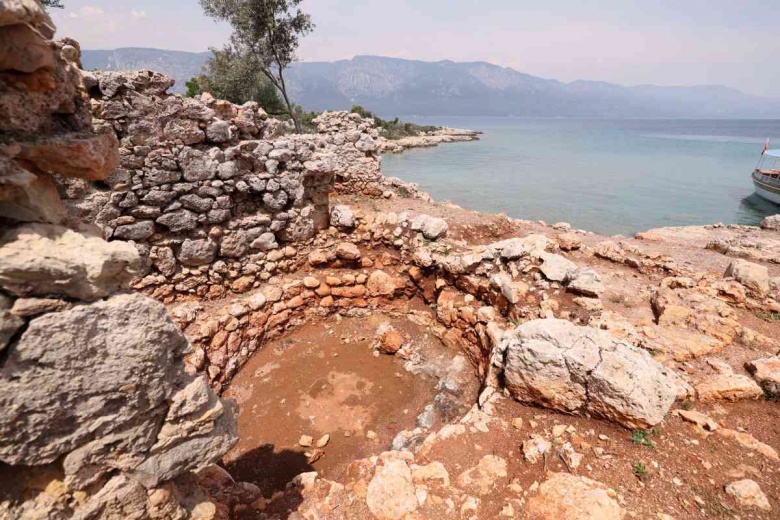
x=271 y=471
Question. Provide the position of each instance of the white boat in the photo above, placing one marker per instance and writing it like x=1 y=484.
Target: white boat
x=766 y=176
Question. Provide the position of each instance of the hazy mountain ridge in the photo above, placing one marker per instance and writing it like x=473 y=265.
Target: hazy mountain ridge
x=393 y=86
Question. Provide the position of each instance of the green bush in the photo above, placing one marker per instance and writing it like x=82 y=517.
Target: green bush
x=395 y=129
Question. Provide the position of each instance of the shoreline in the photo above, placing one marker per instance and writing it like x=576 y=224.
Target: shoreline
x=444 y=135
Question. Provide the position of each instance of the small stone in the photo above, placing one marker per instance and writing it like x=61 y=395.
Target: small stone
x=310 y=282
x=342 y=217
x=347 y=251
x=323 y=441
x=432 y=228
x=535 y=449
x=699 y=419
x=747 y=493
x=390 y=340
x=305 y=441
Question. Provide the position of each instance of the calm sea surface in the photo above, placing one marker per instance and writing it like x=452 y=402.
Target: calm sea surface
x=608 y=176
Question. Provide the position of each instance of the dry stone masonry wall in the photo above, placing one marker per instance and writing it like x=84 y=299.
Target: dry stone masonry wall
x=213 y=195
x=99 y=418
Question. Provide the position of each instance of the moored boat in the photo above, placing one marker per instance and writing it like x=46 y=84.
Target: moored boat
x=766 y=176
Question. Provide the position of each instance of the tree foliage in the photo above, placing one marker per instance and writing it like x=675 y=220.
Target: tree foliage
x=237 y=78
x=55 y=4
x=393 y=129
x=269 y=32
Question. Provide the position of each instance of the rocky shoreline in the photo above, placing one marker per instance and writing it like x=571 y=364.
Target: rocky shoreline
x=151 y=245
x=431 y=139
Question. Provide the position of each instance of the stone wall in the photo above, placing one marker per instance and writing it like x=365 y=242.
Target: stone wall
x=213 y=195
x=99 y=418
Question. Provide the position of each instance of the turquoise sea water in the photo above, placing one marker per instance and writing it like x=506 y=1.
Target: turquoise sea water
x=608 y=176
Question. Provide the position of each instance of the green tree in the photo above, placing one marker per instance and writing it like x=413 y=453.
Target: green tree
x=268 y=31
x=56 y=4
x=237 y=78
x=193 y=88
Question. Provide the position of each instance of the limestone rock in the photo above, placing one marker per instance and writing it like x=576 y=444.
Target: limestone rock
x=771 y=222
x=381 y=284
x=747 y=493
x=555 y=267
x=41 y=259
x=9 y=322
x=91 y=156
x=573 y=498
x=559 y=365
x=698 y=418
x=514 y=248
x=727 y=387
x=568 y=241
x=535 y=448
x=753 y=276
x=389 y=340
x=120 y=352
x=179 y=220
x=320 y=257
x=512 y=290
x=432 y=228
x=24 y=50
x=750 y=442
x=199 y=428
x=265 y=242
x=197 y=252
x=15 y=12
x=136 y=231
x=584 y=281
x=347 y=251
x=342 y=217
x=489 y=473
x=390 y=494
x=28 y=198
x=766 y=371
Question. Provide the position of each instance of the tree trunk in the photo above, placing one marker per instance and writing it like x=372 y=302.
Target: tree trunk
x=283 y=88
x=298 y=128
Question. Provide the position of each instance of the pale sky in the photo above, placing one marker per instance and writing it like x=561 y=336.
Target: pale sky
x=664 y=42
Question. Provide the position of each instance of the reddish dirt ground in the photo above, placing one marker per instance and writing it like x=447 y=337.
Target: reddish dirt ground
x=324 y=379
x=687 y=468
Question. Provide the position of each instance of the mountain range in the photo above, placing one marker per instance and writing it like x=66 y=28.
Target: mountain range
x=393 y=86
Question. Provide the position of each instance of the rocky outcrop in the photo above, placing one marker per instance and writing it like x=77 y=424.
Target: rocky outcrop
x=99 y=420
x=556 y=364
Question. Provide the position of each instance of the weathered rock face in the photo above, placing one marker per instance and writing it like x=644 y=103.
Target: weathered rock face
x=559 y=365
x=42 y=259
x=99 y=417
x=126 y=355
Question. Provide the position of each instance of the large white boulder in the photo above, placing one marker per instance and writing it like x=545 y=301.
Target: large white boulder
x=559 y=365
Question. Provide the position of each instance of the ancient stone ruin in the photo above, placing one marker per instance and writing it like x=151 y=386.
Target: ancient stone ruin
x=162 y=256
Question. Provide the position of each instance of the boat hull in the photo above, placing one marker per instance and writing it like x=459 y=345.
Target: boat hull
x=767 y=192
